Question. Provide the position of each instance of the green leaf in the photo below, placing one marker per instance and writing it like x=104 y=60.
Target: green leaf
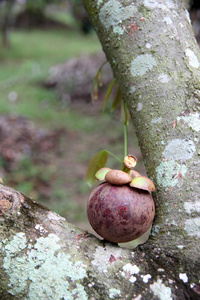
x=97 y=162
x=97 y=81
x=108 y=92
x=117 y=101
x=100 y=175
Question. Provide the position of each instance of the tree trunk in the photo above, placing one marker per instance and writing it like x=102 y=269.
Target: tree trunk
x=6 y=20
x=155 y=59
x=5 y=32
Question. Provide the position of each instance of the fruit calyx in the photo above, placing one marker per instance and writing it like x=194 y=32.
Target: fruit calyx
x=118 y=177
x=126 y=176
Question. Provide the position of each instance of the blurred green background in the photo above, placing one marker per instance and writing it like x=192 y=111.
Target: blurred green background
x=49 y=127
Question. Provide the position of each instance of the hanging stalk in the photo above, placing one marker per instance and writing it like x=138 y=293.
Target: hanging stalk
x=125 y=128
x=125 y=114
x=99 y=160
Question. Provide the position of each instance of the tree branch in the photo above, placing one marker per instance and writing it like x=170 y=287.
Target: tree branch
x=45 y=257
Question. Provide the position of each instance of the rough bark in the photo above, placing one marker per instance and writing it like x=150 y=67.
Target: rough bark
x=45 y=257
x=155 y=58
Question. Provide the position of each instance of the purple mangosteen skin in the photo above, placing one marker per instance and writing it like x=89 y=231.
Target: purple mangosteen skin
x=120 y=214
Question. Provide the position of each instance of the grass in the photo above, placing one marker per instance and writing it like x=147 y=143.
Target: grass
x=49 y=46
x=27 y=62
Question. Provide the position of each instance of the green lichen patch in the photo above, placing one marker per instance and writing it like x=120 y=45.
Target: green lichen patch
x=192 y=226
x=151 y=3
x=192 y=58
x=118 y=30
x=170 y=173
x=154 y=4
x=142 y=64
x=99 y=2
x=132 y=89
x=114 y=293
x=102 y=257
x=129 y=271
x=179 y=149
x=167 y=20
x=18 y=243
x=157 y=120
x=183 y=277
x=139 y=106
x=191 y=207
x=164 y=78
x=113 y=13
x=160 y=290
x=146 y=277
x=192 y=120
x=45 y=272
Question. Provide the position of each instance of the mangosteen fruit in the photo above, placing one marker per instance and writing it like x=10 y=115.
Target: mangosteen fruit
x=121 y=213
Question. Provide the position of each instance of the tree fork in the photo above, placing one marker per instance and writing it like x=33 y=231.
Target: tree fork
x=45 y=257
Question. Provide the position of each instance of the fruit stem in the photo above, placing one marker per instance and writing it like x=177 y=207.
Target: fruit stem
x=126 y=170
x=125 y=132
